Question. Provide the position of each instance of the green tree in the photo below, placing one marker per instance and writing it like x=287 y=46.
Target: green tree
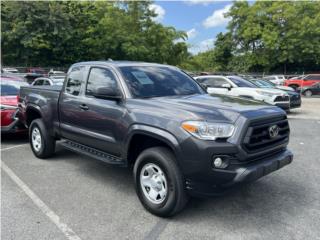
x=61 y=33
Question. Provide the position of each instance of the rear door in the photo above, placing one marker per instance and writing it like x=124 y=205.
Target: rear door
x=72 y=115
x=316 y=89
x=311 y=79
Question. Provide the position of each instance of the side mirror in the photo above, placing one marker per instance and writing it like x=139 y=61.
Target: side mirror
x=205 y=86
x=227 y=85
x=107 y=93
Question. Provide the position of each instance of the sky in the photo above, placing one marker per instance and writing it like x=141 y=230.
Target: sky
x=202 y=20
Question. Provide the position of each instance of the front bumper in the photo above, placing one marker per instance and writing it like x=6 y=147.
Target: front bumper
x=283 y=105
x=295 y=103
x=237 y=174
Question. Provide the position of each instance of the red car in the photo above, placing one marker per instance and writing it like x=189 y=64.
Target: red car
x=9 y=106
x=36 y=70
x=304 y=81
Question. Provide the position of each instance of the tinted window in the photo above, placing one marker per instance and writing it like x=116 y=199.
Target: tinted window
x=262 y=83
x=38 y=82
x=215 y=82
x=158 y=81
x=75 y=78
x=7 y=90
x=46 y=82
x=313 y=77
x=58 y=82
x=100 y=77
x=240 y=82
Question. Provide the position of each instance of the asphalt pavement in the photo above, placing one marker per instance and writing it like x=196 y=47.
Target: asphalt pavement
x=74 y=197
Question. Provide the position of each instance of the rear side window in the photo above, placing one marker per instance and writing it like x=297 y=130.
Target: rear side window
x=74 y=80
x=46 y=82
x=313 y=77
x=100 y=77
x=38 y=82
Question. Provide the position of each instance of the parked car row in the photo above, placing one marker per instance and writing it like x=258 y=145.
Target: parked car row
x=260 y=90
x=31 y=74
x=10 y=87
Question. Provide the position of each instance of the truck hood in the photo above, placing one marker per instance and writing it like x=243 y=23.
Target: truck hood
x=201 y=107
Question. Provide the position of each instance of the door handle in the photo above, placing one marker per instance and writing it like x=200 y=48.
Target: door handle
x=84 y=107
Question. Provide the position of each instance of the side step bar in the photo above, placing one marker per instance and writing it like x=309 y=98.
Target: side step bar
x=92 y=152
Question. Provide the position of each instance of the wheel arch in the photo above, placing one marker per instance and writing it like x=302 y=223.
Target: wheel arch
x=32 y=112
x=142 y=137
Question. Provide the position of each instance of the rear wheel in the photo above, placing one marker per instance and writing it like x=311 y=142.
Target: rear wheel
x=42 y=144
x=308 y=93
x=159 y=182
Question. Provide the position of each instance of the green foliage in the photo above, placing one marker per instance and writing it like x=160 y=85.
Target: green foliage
x=269 y=36
x=64 y=32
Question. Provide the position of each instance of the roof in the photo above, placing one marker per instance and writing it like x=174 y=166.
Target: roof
x=120 y=63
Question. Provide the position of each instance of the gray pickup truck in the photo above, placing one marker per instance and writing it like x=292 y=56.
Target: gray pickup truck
x=156 y=119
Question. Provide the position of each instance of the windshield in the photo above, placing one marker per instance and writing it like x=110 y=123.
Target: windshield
x=263 y=84
x=58 y=82
x=240 y=82
x=8 y=90
x=155 y=81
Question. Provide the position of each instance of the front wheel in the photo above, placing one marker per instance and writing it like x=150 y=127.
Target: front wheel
x=42 y=144
x=308 y=93
x=159 y=182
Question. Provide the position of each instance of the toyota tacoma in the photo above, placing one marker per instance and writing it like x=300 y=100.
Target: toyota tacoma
x=179 y=141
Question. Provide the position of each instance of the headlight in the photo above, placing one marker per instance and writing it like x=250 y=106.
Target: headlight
x=208 y=131
x=264 y=93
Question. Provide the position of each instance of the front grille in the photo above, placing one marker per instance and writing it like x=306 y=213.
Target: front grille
x=258 y=136
x=281 y=99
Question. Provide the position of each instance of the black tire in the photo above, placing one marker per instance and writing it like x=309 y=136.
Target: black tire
x=308 y=93
x=48 y=143
x=176 y=197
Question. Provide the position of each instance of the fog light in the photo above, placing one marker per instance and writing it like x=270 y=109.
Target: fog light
x=220 y=161
x=217 y=162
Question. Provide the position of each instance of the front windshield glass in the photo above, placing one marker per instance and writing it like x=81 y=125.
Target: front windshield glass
x=241 y=82
x=8 y=90
x=263 y=84
x=158 y=81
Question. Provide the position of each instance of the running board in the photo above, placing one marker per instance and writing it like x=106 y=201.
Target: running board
x=92 y=152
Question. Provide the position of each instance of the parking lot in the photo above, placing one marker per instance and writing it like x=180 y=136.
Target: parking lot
x=71 y=196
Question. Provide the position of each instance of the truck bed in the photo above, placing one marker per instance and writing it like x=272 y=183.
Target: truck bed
x=44 y=97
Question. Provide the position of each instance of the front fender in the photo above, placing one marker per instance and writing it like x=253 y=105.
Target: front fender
x=154 y=132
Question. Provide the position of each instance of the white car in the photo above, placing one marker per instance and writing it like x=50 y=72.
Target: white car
x=239 y=87
x=276 y=79
x=10 y=70
x=52 y=81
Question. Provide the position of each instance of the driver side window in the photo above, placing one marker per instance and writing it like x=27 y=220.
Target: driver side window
x=100 y=77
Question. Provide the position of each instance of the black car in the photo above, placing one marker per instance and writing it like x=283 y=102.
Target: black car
x=311 y=90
